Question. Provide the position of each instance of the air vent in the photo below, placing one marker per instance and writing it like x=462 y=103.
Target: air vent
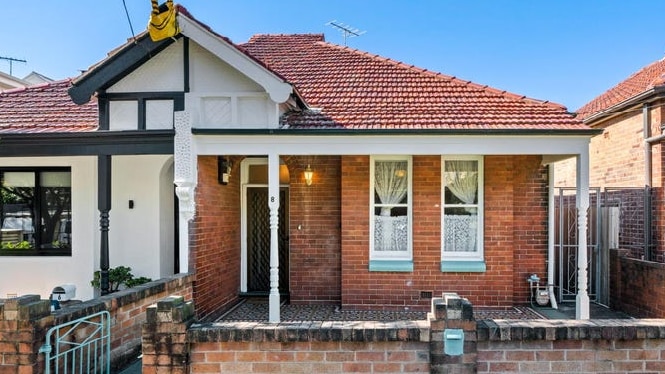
x=425 y=294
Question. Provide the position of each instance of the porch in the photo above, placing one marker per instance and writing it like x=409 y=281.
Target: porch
x=486 y=345
x=253 y=310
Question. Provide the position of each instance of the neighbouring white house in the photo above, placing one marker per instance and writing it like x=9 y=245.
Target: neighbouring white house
x=8 y=82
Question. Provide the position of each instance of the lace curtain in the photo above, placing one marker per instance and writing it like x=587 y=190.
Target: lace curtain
x=461 y=230
x=390 y=184
x=462 y=179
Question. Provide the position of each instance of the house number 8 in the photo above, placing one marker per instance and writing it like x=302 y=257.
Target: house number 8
x=272 y=199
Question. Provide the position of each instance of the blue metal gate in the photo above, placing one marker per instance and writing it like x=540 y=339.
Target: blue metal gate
x=79 y=346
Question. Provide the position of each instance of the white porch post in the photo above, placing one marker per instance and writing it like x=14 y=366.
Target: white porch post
x=582 y=202
x=273 y=204
x=184 y=162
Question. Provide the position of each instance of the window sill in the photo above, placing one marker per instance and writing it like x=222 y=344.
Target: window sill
x=473 y=266
x=391 y=265
x=36 y=253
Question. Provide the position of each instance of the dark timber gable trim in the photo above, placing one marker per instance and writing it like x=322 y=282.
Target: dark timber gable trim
x=104 y=100
x=116 y=67
x=185 y=64
x=87 y=143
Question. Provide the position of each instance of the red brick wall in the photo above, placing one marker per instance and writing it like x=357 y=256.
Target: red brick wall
x=572 y=356
x=310 y=357
x=637 y=286
x=514 y=235
x=617 y=155
x=314 y=224
x=530 y=223
x=215 y=242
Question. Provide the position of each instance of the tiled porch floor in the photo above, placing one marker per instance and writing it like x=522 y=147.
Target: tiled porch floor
x=257 y=311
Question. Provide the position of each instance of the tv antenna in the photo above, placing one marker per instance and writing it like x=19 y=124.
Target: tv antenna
x=11 y=62
x=346 y=30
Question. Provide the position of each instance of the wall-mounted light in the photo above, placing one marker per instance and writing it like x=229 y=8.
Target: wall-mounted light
x=309 y=174
x=223 y=170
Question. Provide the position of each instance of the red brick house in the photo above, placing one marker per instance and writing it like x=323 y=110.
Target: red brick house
x=315 y=173
x=628 y=154
x=626 y=171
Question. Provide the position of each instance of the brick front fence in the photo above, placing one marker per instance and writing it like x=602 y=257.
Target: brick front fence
x=25 y=320
x=451 y=341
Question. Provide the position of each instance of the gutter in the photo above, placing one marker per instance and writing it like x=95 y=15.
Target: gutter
x=413 y=132
x=615 y=110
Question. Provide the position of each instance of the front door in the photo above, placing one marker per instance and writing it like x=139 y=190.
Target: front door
x=258 y=241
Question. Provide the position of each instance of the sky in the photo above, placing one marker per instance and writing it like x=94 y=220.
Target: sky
x=564 y=51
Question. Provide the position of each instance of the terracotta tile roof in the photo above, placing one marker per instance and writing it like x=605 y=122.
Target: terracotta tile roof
x=45 y=108
x=351 y=89
x=645 y=79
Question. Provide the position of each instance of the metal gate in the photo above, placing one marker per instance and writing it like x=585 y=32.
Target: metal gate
x=618 y=217
x=80 y=346
x=565 y=245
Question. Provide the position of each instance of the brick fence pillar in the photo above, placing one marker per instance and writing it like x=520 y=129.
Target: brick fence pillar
x=23 y=323
x=164 y=338
x=452 y=317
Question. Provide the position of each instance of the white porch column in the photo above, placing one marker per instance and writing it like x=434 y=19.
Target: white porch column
x=582 y=202
x=184 y=161
x=273 y=204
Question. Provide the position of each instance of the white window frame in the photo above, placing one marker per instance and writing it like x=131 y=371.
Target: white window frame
x=478 y=255
x=391 y=255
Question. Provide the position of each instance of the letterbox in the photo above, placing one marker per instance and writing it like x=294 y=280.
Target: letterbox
x=63 y=292
x=453 y=342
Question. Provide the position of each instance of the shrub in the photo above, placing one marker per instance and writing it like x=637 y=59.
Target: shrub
x=119 y=276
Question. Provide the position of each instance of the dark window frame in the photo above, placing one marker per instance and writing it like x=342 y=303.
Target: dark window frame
x=38 y=226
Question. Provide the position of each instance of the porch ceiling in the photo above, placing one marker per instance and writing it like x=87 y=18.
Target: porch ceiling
x=391 y=144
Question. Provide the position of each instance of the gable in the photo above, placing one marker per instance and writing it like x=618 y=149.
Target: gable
x=162 y=72
x=210 y=74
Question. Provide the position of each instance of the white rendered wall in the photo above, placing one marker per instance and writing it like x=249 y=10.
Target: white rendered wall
x=163 y=72
x=141 y=236
x=167 y=237
x=207 y=73
x=39 y=275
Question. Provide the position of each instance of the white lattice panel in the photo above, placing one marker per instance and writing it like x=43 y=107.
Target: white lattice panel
x=159 y=114
x=216 y=111
x=123 y=115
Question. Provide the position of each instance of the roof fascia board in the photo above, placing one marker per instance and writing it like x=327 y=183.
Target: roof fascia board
x=276 y=87
x=392 y=144
x=652 y=94
x=402 y=132
x=87 y=143
x=115 y=68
